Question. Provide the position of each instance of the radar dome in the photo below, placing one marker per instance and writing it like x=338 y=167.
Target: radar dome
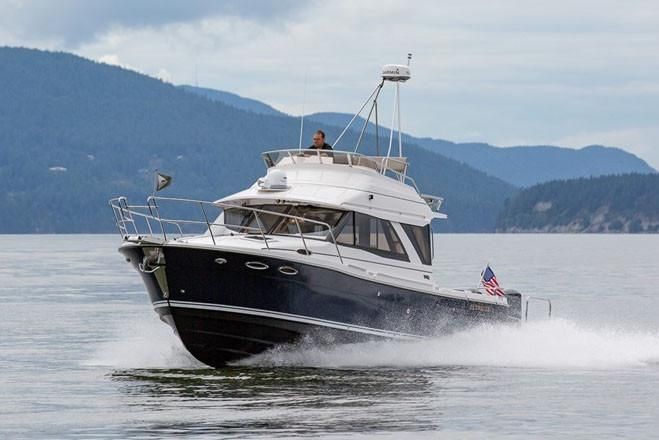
x=396 y=72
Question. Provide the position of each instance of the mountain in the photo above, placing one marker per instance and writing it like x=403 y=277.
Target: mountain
x=521 y=166
x=74 y=132
x=624 y=203
x=234 y=100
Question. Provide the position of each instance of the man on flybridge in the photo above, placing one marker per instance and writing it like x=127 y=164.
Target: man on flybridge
x=319 y=141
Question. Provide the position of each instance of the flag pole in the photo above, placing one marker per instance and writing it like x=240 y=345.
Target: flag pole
x=480 y=280
x=155 y=182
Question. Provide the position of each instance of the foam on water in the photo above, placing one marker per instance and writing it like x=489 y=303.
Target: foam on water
x=546 y=344
x=143 y=344
x=557 y=343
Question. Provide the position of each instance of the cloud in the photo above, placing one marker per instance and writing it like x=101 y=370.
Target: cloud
x=73 y=22
x=164 y=75
x=113 y=60
x=505 y=72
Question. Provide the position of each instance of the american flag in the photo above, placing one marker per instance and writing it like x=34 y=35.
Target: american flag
x=490 y=282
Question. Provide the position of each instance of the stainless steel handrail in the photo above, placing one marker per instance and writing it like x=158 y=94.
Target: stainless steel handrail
x=124 y=213
x=176 y=222
x=405 y=178
x=536 y=298
x=381 y=167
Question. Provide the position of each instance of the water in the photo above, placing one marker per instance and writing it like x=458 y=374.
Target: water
x=83 y=355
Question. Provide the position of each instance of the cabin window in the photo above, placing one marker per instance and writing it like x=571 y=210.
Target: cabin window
x=370 y=233
x=345 y=230
x=246 y=221
x=325 y=215
x=421 y=240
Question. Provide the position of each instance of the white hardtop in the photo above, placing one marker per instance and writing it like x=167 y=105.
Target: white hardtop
x=340 y=180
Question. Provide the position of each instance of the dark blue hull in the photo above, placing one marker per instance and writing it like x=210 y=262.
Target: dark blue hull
x=226 y=311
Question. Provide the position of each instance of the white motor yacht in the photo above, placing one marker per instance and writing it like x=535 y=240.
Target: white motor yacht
x=331 y=245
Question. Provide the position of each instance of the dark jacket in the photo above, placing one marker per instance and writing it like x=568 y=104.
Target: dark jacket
x=325 y=146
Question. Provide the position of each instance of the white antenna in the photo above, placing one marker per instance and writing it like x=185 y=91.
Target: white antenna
x=396 y=73
x=393 y=124
x=304 y=99
x=400 y=141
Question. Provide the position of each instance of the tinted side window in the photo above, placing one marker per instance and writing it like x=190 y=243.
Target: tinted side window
x=420 y=238
x=373 y=234
x=345 y=230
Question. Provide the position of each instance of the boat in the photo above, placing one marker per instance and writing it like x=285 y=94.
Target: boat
x=329 y=246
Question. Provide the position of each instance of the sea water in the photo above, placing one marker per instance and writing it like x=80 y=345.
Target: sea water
x=83 y=355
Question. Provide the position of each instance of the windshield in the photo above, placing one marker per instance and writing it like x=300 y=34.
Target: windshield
x=325 y=215
x=245 y=221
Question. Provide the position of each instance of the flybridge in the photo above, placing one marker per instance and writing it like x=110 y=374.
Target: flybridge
x=392 y=167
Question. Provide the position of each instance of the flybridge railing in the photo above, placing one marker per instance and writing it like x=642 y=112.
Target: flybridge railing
x=382 y=164
x=146 y=221
x=395 y=168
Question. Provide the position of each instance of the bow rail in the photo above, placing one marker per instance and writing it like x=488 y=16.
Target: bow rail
x=146 y=222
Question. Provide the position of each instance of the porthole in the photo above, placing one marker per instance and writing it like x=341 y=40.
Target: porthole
x=288 y=270
x=256 y=265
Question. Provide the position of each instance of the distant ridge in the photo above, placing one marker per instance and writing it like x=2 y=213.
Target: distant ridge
x=523 y=165
x=237 y=101
x=624 y=203
x=519 y=165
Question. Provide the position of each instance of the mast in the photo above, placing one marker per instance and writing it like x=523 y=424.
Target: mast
x=396 y=73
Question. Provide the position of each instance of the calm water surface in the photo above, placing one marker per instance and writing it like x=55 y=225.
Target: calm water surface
x=83 y=355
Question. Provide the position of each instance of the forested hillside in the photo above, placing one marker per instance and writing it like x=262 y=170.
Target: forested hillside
x=233 y=100
x=626 y=203
x=74 y=132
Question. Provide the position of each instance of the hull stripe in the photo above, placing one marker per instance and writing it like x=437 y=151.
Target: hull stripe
x=287 y=317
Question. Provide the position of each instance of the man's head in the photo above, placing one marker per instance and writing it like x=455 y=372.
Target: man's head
x=319 y=139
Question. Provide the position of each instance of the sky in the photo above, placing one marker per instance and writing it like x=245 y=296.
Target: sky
x=569 y=73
